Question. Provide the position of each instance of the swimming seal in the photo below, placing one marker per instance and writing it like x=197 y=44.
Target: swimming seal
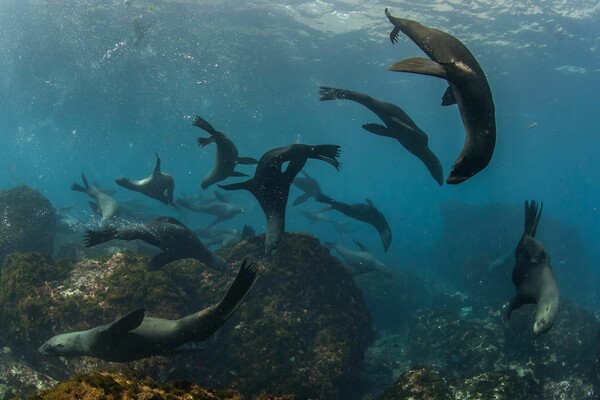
x=361 y=262
x=308 y=185
x=468 y=87
x=271 y=185
x=168 y=234
x=222 y=210
x=398 y=125
x=136 y=336
x=158 y=186
x=227 y=154
x=533 y=275
x=363 y=212
x=105 y=205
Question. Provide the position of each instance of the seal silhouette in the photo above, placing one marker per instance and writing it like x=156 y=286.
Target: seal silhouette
x=533 y=275
x=105 y=205
x=468 y=87
x=398 y=125
x=271 y=182
x=136 y=336
x=158 y=186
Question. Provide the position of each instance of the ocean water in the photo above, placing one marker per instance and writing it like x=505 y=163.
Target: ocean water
x=81 y=92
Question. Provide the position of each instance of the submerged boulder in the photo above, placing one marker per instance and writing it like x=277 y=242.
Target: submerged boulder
x=28 y=222
x=303 y=330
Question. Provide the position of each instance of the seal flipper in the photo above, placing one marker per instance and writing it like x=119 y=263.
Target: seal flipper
x=77 y=187
x=321 y=198
x=512 y=304
x=237 y=174
x=247 y=232
x=92 y=238
x=329 y=93
x=420 y=65
x=203 y=124
x=301 y=199
x=238 y=186
x=161 y=259
x=361 y=246
x=238 y=290
x=532 y=217
x=127 y=323
x=448 y=98
x=247 y=160
x=377 y=129
x=156 y=171
x=220 y=197
x=203 y=142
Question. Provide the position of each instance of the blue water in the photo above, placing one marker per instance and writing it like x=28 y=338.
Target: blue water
x=76 y=95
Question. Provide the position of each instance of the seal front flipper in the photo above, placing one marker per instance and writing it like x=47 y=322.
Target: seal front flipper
x=448 y=98
x=361 y=246
x=127 y=323
x=247 y=160
x=92 y=238
x=203 y=124
x=420 y=65
x=512 y=305
x=329 y=93
x=301 y=199
x=377 y=129
x=203 y=142
x=237 y=174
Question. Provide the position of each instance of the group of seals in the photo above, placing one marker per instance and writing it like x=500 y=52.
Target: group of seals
x=136 y=336
x=533 y=275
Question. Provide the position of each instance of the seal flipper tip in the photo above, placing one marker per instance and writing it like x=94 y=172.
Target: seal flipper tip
x=419 y=65
x=238 y=290
x=92 y=238
x=203 y=142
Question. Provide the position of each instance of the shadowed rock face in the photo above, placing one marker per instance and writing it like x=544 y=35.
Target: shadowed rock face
x=303 y=329
x=27 y=222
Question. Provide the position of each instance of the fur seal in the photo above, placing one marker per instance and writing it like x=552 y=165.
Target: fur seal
x=398 y=125
x=468 y=87
x=158 y=186
x=308 y=185
x=136 y=336
x=222 y=210
x=363 y=212
x=227 y=154
x=271 y=185
x=105 y=205
x=533 y=275
x=361 y=262
x=168 y=234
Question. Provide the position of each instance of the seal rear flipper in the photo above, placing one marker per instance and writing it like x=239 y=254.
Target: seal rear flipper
x=433 y=164
x=156 y=171
x=420 y=65
x=329 y=93
x=203 y=124
x=247 y=160
x=327 y=153
x=361 y=246
x=215 y=222
x=248 y=185
x=247 y=232
x=238 y=290
x=448 y=98
x=92 y=238
x=220 y=197
x=203 y=142
x=127 y=323
x=301 y=199
x=532 y=217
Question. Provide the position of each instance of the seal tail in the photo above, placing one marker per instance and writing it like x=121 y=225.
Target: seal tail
x=532 y=217
x=328 y=153
x=238 y=290
x=92 y=238
x=329 y=93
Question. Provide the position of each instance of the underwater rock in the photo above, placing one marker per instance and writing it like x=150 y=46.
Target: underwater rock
x=496 y=385
x=420 y=383
x=303 y=330
x=17 y=379
x=104 y=385
x=27 y=222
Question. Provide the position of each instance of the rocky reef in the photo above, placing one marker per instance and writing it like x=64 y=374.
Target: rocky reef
x=303 y=330
x=27 y=222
